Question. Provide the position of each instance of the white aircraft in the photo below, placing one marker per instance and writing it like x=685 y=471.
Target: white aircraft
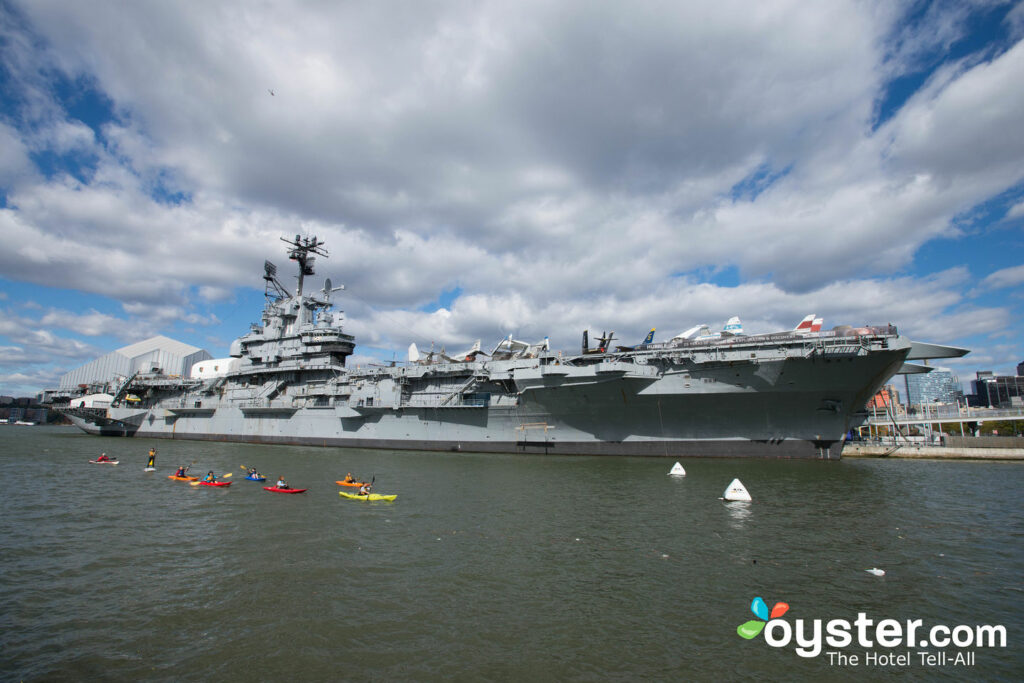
x=466 y=356
x=695 y=332
x=733 y=327
x=513 y=348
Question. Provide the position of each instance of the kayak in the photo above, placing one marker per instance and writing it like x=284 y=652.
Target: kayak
x=277 y=490
x=256 y=478
x=177 y=478
x=371 y=497
x=353 y=484
x=215 y=483
x=149 y=469
x=104 y=462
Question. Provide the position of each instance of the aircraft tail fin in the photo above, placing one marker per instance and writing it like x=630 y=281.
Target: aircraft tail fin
x=816 y=325
x=650 y=337
x=805 y=324
x=733 y=326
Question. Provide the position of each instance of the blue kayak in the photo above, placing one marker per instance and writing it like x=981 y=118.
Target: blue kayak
x=251 y=478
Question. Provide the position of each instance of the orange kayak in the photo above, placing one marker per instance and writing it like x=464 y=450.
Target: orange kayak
x=176 y=478
x=353 y=484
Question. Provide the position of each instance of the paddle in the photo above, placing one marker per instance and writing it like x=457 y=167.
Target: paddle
x=248 y=475
x=223 y=476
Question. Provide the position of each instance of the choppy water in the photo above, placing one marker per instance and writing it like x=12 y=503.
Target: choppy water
x=487 y=567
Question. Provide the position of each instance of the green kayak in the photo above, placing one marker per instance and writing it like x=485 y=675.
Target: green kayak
x=371 y=497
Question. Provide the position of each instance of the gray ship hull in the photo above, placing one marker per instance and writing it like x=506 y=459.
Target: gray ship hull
x=793 y=394
x=794 y=408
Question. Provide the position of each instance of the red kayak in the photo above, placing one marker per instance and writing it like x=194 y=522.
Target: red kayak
x=215 y=483
x=277 y=490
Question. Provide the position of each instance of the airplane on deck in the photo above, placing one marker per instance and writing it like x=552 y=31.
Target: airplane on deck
x=513 y=348
x=467 y=356
x=414 y=355
x=602 y=342
x=647 y=340
x=441 y=356
x=696 y=333
x=733 y=328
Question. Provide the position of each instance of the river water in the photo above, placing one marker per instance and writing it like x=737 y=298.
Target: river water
x=489 y=567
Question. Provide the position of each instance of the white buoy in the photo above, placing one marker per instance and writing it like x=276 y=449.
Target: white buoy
x=876 y=571
x=736 y=491
x=677 y=470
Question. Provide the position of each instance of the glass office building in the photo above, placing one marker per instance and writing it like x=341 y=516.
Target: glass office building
x=938 y=386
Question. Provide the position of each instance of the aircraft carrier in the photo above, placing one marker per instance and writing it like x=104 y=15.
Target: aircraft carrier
x=791 y=394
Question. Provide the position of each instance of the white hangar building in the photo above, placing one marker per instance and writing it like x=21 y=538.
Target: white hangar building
x=159 y=353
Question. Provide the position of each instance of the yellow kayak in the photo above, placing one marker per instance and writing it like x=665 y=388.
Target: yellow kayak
x=371 y=497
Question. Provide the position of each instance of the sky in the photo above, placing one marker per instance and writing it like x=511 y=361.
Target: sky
x=480 y=169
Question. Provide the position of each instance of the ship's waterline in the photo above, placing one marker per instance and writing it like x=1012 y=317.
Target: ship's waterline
x=792 y=394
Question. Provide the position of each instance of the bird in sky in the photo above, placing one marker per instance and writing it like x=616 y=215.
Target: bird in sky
x=270 y=91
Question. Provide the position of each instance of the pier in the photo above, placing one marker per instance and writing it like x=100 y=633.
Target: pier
x=947 y=432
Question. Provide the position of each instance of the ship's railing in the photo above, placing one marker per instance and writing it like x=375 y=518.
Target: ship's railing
x=265 y=403
x=862 y=334
x=939 y=411
x=478 y=400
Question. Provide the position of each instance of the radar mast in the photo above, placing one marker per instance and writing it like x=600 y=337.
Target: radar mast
x=302 y=251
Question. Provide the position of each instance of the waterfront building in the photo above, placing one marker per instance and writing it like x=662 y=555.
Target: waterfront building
x=938 y=386
x=887 y=400
x=999 y=391
x=37 y=415
x=162 y=354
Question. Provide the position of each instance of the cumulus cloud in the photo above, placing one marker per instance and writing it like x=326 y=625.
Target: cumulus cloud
x=14 y=160
x=25 y=333
x=553 y=166
x=1007 y=277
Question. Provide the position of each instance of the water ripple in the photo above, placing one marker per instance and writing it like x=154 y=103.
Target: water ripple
x=486 y=567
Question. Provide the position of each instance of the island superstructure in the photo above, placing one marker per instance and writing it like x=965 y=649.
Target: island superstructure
x=791 y=394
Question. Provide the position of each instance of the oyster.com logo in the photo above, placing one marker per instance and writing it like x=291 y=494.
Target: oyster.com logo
x=752 y=628
x=906 y=641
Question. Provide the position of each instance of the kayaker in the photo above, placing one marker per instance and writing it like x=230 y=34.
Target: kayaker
x=152 y=458
x=348 y=478
x=364 y=490
x=210 y=476
x=103 y=458
x=281 y=483
x=182 y=469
